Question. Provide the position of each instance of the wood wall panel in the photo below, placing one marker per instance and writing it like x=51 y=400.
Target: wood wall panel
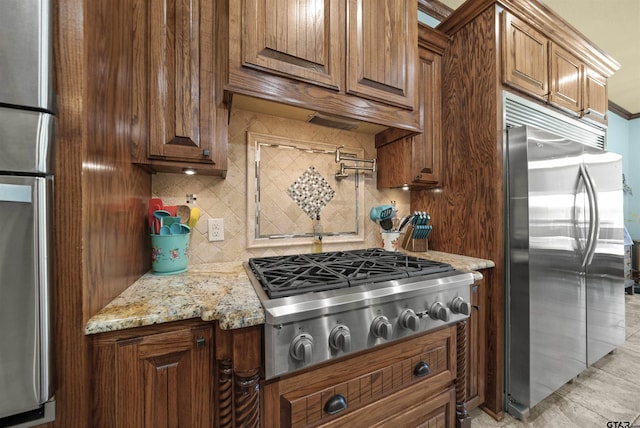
x=467 y=213
x=71 y=368
x=115 y=192
x=100 y=241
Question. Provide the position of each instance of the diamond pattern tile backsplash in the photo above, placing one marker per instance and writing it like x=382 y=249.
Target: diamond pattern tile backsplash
x=227 y=198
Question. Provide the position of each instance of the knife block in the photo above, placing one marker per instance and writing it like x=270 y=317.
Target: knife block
x=411 y=244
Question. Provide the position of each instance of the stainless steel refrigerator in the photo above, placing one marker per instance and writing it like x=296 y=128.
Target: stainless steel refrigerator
x=26 y=208
x=565 y=262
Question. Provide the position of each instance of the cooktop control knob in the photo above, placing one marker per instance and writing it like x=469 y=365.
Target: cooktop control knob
x=381 y=327
x=301 y=348
x=438 y=311
x=459 y=306
x=409 y=319
x=340 y=338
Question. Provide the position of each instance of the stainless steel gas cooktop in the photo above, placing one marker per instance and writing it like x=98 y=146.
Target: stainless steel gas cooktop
x=323 y=306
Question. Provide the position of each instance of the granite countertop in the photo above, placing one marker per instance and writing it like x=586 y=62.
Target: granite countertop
x=461 y=263
x=213 y=292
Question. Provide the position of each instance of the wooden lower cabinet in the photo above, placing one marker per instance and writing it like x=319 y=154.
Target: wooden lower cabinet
x=375 y=388
x=180 y=374
x=475 y=349
x=154 y=377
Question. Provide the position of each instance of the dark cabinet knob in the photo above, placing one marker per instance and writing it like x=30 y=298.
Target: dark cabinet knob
x=335 y=404
x=421 y=369
x=201 y=342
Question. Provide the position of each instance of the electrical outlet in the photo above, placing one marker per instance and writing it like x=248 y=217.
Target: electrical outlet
x=216 y=229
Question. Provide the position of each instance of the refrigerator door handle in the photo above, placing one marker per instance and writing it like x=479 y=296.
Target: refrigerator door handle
x=594 y=221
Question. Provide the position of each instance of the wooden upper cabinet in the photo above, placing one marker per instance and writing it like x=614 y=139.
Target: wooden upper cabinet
x=382 y=50
x=416 y=161
x=540 y=67
x=427 y=147
x=524 y=57
x=349 y=58
x=185 y=120
x=565 y=80
x=595 y=100
x=297 y=38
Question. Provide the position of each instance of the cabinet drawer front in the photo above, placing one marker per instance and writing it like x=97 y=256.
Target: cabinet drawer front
x=360 y=387
x=412 y=407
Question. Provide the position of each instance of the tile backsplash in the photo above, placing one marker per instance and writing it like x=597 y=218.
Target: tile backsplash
x=227 y=198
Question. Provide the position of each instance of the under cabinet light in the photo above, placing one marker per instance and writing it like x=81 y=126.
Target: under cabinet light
x=189 y=171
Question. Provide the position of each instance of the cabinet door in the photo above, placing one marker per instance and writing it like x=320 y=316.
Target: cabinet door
x=417 y=160
x=475 y=349
x=595 y=103
x=382 y=50
x=165 y=380
x=524 y=57
x=181 y=80
x=565 y=80
x=427 y=147
x=298 y=38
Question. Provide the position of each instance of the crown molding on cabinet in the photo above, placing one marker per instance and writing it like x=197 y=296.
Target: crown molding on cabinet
x=434 y=9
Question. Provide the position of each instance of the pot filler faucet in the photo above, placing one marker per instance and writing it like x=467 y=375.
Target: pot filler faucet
x=340 y=157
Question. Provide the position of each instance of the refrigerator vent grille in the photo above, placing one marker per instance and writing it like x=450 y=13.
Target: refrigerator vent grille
x=520 y=112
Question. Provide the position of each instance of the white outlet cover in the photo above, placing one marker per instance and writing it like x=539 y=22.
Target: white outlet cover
x=216 y=229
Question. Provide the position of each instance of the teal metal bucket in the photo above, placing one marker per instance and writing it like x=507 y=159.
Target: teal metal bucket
x=169 y=253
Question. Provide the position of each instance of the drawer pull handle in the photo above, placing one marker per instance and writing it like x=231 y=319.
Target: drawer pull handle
x=421 y=369
x=335 y=404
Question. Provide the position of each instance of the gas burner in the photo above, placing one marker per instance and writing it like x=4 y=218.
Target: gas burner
x=283 y=276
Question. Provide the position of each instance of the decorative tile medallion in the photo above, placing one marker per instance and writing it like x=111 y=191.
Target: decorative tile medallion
x=311 y=192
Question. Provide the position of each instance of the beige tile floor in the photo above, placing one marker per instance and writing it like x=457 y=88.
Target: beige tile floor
x=606 y=392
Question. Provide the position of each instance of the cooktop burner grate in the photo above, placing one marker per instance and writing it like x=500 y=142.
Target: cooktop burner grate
x=283 y=276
